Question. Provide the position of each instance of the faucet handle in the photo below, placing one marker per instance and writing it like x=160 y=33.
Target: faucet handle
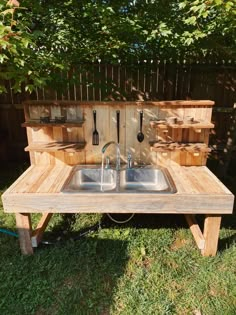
x=129 y=160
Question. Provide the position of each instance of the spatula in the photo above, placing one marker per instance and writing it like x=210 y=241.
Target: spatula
x=95 y=132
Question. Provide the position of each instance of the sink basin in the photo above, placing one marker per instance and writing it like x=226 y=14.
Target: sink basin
x=147 y=179
x=89 y=179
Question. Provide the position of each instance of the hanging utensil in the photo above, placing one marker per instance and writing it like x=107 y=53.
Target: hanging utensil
x=95 y=132
x=140 y=135
x=118 y=125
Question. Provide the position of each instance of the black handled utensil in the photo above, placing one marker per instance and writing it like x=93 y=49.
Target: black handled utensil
x=118 y=125
x=140 y=135
x=95 y=132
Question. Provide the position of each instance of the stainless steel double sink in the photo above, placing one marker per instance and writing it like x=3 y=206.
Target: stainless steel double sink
x=147 y=179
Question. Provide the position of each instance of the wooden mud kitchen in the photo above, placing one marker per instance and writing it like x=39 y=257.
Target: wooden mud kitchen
x=118 y=157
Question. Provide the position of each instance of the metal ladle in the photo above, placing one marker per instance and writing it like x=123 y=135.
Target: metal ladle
x=140 y=135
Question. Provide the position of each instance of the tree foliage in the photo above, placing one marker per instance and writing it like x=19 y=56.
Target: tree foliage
x=38 y=38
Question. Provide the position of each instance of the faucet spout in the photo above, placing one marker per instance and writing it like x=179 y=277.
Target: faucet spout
x=117 y=152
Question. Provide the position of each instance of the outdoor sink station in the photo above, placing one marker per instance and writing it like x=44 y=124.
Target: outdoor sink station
x=118 y=157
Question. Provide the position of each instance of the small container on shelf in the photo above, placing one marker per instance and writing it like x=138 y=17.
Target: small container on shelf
x=188 y=120
x=45 y=118
x=60 y=119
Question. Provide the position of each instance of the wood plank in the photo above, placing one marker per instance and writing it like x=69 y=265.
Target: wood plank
x=107 y=103
x=71 y=112
x=30 y=139
x=163 y=158
x=149 y=113
x=194 y=125
x=42 y=135
x=34 y=180
x=211 y=234
x=132 y=128
x=37 y=234
x=23 y=224
x=73 y=135
x=113 y=131
x=183 y=157
x=42 y=158
x=32 y=112
x=93 y=152
x=62 y=202
x=162 y=146
x=26 y=112
x=56 y=111
x=68 y=124
x=56 y=186
x=55 y=179
x=175 y=157
x=58 y=137
x=177 y=173
x=55 y=146
x=21 y=179
x=194 y=228
x=216 y=182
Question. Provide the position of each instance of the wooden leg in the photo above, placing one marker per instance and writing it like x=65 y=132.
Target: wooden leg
x=211 y=234
x=23 y=224
x=195 y=229
x=38 y=233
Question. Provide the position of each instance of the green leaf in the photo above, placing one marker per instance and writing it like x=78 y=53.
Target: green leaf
x=189 y=41
x=191 y=20
x=182 y=5
x=29 y=88
x=2 y=89
x=110 y=9
x=194 y=8
x=25 y=42
x=229 y=5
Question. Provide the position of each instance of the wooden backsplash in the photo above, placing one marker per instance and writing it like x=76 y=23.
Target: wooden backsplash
x=106 y=126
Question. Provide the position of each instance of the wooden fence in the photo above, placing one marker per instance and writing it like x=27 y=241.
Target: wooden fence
x=143 y=81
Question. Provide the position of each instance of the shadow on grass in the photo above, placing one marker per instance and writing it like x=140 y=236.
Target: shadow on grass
x=226 y=242
x=71 y=278
x=141 y=221
x=64 y=229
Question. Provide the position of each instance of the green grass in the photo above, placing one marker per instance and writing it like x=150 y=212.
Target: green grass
x=148 y=266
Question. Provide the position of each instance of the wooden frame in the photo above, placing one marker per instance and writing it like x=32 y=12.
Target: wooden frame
x=55 y=149
x=207 y=241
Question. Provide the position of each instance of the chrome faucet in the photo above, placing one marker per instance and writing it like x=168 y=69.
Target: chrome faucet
x=107 y=165
x=117 y=152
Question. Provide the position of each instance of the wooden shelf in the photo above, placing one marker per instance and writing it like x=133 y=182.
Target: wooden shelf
x=196 y=125
x=69 y=147
x=175 y=146
x=67 y=124
x=176 y=103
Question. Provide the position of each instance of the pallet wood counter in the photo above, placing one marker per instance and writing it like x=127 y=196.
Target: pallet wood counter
x=57 y=148
x=39 y=189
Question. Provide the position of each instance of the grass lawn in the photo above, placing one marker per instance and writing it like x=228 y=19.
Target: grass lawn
x=148 y=266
